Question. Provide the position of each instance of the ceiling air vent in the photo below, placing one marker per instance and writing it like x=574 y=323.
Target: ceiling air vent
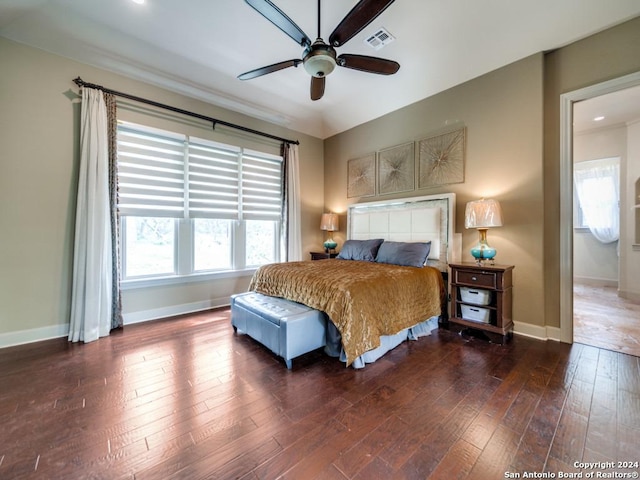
x=379 y=39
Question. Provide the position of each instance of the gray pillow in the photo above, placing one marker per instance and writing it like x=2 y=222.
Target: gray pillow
x=410 y=254
x=360 y=249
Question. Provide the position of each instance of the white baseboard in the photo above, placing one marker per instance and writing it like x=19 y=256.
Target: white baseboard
x=173 y=310
x=633 y=296
x=56 y=331
x=595 y=282
x=553 y=333
x=536 y=331
x=32 y=335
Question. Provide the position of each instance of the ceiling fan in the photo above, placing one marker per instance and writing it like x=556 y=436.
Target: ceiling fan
x=319 y=58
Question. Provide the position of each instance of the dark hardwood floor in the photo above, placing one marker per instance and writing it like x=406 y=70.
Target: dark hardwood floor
x=186 y=398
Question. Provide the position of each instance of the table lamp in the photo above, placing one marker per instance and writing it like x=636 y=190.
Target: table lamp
x=329 y=223
x=483 y=214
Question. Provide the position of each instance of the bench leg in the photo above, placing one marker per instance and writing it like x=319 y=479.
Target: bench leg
x=289 y=363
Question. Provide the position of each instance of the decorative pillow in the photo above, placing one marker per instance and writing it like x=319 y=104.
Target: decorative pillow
x=410 y=254
x=360 y=249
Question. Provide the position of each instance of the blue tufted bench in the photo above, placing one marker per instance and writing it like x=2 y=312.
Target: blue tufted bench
x=288 y=328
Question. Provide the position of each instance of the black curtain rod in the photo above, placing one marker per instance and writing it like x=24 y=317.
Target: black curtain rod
x=81 y=83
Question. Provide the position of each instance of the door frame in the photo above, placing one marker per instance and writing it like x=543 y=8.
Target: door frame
x=566 y=190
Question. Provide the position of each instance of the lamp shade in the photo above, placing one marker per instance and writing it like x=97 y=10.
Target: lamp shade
x=329 y=222
x=483 y=214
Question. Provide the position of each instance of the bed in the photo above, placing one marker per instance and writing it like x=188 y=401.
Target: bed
x=386 y=286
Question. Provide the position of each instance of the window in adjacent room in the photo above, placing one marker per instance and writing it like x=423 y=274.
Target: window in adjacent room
x=597 y=187
x=191 y=206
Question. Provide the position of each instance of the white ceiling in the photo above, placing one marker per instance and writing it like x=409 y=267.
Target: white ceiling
x=617 y=108
x=198 y=47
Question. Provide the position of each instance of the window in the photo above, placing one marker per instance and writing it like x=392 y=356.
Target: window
x=212 y=244
x=192 y=206
x=597 y=185
x=260 y=238
x=150 y=246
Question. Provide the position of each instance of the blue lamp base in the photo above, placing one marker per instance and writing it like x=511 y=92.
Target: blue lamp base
x=482 y=251
x=329 y=245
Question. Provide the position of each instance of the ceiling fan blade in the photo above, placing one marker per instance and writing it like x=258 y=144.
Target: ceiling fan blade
x=258 y=72
x=359 y=17
x=276 y=16
x=317 y=87
x=365 y=63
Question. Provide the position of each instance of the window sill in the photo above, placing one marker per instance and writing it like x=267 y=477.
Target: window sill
x=183 y=279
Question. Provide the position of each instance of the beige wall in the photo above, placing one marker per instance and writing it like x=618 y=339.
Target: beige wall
x=502 y=112
x=598 y=58
x=38 y=173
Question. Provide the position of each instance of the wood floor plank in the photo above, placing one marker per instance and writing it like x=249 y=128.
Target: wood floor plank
x=305 y=447
x=424 y=417
x=485 y=424
x=457 y=463
x=376 y=470
x=521 y=410
x=495 y=458
x=569 y=441
x=533 y=451
x=188 y=398
x=627 y=443
x=629 y=409
x=360 y=455
x=629 y=373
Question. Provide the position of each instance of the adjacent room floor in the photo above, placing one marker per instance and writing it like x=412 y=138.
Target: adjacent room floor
x=602 y=319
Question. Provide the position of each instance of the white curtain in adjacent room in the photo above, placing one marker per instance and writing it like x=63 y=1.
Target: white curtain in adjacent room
x=294 y=235
x=598 y=187
x=91 y=302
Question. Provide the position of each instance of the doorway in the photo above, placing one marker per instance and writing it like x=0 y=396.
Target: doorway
x=568 y=121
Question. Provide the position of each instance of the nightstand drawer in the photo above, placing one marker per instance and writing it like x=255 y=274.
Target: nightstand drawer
x=480 y=279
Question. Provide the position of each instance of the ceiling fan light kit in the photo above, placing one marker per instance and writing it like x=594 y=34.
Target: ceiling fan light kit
x=319 y=58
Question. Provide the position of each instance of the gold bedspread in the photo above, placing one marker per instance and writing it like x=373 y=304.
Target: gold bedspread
x=363 y=299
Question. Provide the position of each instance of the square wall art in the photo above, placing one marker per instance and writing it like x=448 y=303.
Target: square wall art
x=396 y=169
x=361 y=176
x=441 y=159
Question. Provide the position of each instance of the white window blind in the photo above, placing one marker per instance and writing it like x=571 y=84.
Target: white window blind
x=214 y=172
x=261 y=186
x=150 y=173
x=161 y=174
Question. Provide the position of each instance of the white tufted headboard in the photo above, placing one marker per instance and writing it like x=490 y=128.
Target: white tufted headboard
x=415 y=219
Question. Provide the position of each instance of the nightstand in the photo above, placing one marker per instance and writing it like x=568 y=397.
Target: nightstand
x=481 y=299
x=323 y=255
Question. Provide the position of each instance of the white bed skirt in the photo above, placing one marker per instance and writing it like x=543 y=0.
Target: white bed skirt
x=387 y=342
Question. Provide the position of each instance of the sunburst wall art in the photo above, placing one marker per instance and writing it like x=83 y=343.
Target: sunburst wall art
x=441 y=159
x=361 y=176
x=396 y=169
